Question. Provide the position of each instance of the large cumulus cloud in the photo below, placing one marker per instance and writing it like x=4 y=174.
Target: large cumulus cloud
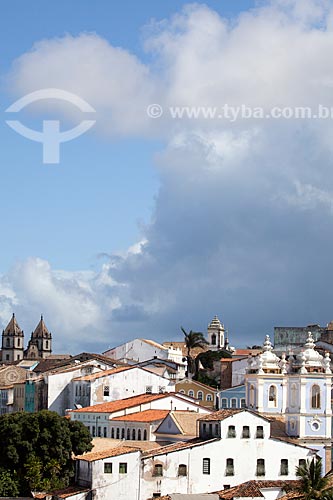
x=242 y=224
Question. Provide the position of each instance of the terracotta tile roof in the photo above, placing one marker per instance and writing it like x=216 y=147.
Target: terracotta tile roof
x=111 y=452
x=182 y=346
x=69 y=491
x=248 y=489
x=104 y=373
x=186 y=421
x=252 y=489
x=102 y=444
x=144 y=416
x=170 y=448
x=247 y=352
x=122 y=404
x=154 y=344
x=187 y=381
x=222 y=414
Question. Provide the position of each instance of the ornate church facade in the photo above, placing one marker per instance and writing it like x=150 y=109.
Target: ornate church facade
x=296 y=391
x=39 y=346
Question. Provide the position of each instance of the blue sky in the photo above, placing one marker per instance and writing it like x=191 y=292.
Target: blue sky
x=147 y=225
x=96 y=199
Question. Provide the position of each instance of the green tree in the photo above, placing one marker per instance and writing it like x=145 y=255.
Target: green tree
x=192 y=340
x=39 y=447
x=9 y=486
x=313 y=484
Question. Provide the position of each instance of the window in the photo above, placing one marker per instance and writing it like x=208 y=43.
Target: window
x=224 y=403
x=230 y=467
x=145 y=435
x=260 y=467
x=233 y=403
x=112 y=433
x=182 y=391
x=209 y=397
x=128 y=434
x=122 y=433
x=272 y=396
x=200 y=395
x=106 y=390
x=149 y=389
x=133 y=434
x=206 y=465
x=118 y=433
x=302 y=462
x=107 y=468
x=139 y=435
x=243 y=403
x=191 y=393
x=99 y=432
x=7 y=343
x=161 y=389
x=246 y=432
x=182 y=470
x=252 y=395
x=213 y=339
x=293 y=395
x=105 y=432
x=315 y=397
x=284 y=467
x=18 y=342
x=7 y=357
x=158 y=470
x=260 y=432
x=93 y=431
x=231 y=431
x=123 y=468
x=46 y=344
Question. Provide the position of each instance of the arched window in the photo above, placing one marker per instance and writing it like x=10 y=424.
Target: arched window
x=46 y=344
x=122 y=433
x=133 y=434
x=145 y=435
x=251 y=395
x=209 y=397
x=112 y=433
x=213 y=339
x=293 y=395
x=7 y=343
x=191 y=393
x=18 y=342
x=139 y=435
x=272 y=396
x=182 y=391
x=128 y=434
x=315 y=397
x=200 y=395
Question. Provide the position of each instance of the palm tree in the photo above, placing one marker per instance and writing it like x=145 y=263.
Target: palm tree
x=313 y=483
x=192 y=340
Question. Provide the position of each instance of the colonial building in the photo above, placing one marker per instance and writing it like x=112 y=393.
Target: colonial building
x=297 y=389
x=40 y=343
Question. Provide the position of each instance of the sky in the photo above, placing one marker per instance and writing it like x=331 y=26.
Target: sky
x=148 y=223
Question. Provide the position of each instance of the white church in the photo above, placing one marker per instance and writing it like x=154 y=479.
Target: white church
x=298 y=390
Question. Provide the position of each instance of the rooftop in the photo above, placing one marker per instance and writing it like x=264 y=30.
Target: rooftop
x=144 y=416
x=122 y=404
x=111 y=452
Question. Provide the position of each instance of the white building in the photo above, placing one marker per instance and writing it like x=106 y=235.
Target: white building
x=143 y=349
x=98 y=418
x=234 y=446
x=299 y=389
x=118 y=383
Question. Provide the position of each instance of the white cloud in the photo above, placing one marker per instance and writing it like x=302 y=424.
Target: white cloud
x=242 y=221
